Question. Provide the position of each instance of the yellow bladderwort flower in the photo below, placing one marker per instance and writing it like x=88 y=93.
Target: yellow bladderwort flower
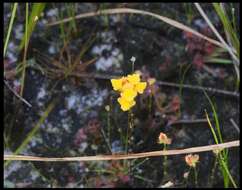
x=125 y=105
x=117 y=83
x=128 y=87
x=129 y=94
x=140 y=87
x=134 y=78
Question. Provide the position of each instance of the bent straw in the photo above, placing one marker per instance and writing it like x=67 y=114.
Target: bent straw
x=127 y=156
x=136 y=11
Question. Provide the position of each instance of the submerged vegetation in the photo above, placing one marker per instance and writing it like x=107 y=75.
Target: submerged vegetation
x=121 y=95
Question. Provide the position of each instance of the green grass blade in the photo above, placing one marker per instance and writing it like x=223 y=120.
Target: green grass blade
x=25 y=49
x=226 y=170
x=35 y=13
x=211 y=127
x=10 y=28
x=227 y=24
x=223 y=159
x=215 y=118
x=219 y=61
x=34 y=130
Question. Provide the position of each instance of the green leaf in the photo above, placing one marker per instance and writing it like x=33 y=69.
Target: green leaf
x=218 y=60
x=10 y=28
x=35 y=13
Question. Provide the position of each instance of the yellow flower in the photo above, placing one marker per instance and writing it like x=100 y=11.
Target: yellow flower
x=117 y=83
x=134 y=78
x=191 y=160
x=140 y=87
x=128 y=87
x=129 y=94
x=125 y=105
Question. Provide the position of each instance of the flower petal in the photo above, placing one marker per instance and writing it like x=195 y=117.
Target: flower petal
x=125 y=105
x=116 y=83
x=127 y=86
x=129 y=94
x=140 y=87
x=134 y=78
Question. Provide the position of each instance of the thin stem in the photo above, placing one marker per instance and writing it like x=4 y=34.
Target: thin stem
x=213 y=171
x=25 y=49
x=10 y=28
x=195 y=175
x=109 y=126
x=225 y=166
x=127 y=135
x=164 y=163
x=186 y=182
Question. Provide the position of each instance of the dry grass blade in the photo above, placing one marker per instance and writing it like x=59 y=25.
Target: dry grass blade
x=135 y=11
x=128 y=156
x=16 y=94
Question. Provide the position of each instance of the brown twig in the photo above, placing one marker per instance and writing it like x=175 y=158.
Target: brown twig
x=162 y=83
x=127 y=156
x=194 y=121
x=209 y=89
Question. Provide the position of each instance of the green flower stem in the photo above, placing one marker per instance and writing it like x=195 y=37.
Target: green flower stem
x=186 y=179
x=213 y=172
x=195 y=176
x=164 y=163
x=109 y=127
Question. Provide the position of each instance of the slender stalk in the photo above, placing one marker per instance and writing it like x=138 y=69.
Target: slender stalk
x=164 y=163
x=10 y=28
x=195 y=176
x=186 y=179
x=213 y=171
x=109 y=126
x=225 y=166
x=181 y=83
x=25 y=49
x=127 y=135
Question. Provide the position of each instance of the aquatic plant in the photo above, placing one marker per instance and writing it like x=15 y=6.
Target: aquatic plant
x=129 y=87
x=192 y=160
x=163 y=139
